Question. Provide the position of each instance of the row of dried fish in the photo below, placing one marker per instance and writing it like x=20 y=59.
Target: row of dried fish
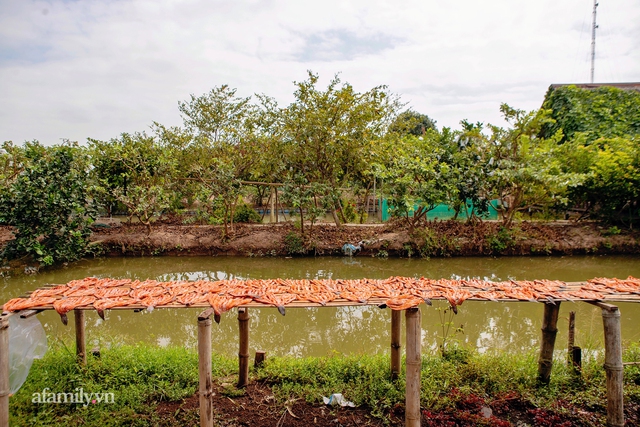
x=399 y=293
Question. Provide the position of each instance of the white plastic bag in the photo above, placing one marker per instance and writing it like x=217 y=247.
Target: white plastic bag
x=27 y=341
x=337 y=399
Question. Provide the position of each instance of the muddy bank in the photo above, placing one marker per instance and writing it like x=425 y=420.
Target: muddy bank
x=436 y=239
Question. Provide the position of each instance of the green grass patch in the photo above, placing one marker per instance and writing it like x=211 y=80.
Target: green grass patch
x=142 y=376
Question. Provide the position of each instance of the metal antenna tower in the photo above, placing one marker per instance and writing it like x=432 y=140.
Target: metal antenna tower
x=593 y=39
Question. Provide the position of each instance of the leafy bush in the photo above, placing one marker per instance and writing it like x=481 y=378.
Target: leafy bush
x=294 y=244
x=244 y=213
x=48 y=206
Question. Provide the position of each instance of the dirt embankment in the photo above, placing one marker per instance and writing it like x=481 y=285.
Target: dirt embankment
x=446 y=238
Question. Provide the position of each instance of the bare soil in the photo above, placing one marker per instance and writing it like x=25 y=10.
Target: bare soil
x=442 y=238
x=256 y=406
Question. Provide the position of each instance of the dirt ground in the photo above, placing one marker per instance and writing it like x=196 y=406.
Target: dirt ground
x=443 y=238
x=256 y=406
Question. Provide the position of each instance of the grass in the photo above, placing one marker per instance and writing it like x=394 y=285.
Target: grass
x=142 y=376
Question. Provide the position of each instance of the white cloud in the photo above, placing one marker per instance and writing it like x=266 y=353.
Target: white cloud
x=78 y=69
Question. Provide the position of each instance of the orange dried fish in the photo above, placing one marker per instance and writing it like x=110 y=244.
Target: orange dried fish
x=277 y=300
x=65 y=305
x=112 y=283
x=191 y=298
x=104 y=304
x=140 y=293
x=18 y=304
x=223 y=303
x=111 y=292
x=50 y=292
x=456 y=297
x=152 y=301
x=79 y=292
x=403 y=302
x=137 y=284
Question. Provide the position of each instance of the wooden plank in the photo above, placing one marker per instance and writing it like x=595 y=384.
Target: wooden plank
x=613 y=366
x=571 y=337
x=549 y=332
x=81 y=351
x=204 y=371
x=414 y=364
x=243 y=353
x=396 y=330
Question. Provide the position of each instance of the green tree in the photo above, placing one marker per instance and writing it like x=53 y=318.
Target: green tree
x=604 y=112
x=135 y=170
x=329 y=134
x=611 y=166
x=48 y=205
x=224 y=146
x=413 y=123
x=418 y=177
x=529 y=170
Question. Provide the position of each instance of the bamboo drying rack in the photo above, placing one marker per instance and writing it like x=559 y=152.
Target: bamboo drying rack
x=610 y=315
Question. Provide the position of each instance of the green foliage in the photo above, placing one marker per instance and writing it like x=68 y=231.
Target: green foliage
x=604 y=112
x=412 y=123
x=48 y=204
x=294 y=244
x=529 y=170
x=138 y=376
x=611 y=188
x=500 y=241
x=135 y=170
x=247 y=214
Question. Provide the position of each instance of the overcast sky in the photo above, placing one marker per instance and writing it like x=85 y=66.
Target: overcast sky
x=97 y=68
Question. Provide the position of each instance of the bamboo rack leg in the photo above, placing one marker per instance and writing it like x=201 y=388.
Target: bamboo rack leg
x=396 y=329
x=571 y=337
x=204 y=368
x=4 y=371
x=243 y=353
x=272 y=206
x=613 y=366
x=549 y=332
x=81 y=350
x=413 y=362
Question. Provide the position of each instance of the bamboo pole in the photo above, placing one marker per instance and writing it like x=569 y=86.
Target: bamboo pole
x=613 y=366
x=413 y=362
x=396 y=330
x=243 y=353
x=204 y=368
x=272 y=205
x=549 y=332
x=81 y=350
x=4 y=370
x=571 y=337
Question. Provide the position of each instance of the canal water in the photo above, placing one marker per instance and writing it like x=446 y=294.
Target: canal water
x=487 y=326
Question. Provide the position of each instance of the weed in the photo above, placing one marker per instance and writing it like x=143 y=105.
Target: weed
x=501 y=241
x=294 y=244
x=611 y=231
x=382 y=254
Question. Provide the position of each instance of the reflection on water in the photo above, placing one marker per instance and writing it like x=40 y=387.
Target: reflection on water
x=488 y=326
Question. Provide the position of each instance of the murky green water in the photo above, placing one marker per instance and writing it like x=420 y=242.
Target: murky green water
x=488 y=326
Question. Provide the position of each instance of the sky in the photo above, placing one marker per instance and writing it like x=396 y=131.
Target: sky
x=97 y=68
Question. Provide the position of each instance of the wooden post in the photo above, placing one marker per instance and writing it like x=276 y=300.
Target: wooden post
x=276 y=204
x=272 y=205
x=243 y=353
x=549 y=331
x=259 y=359
x=396 y=330
x=613 y=366
x=204 y=368
x=571 y=338
x=81 y=351
x=412 y=416
x=5 y=389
